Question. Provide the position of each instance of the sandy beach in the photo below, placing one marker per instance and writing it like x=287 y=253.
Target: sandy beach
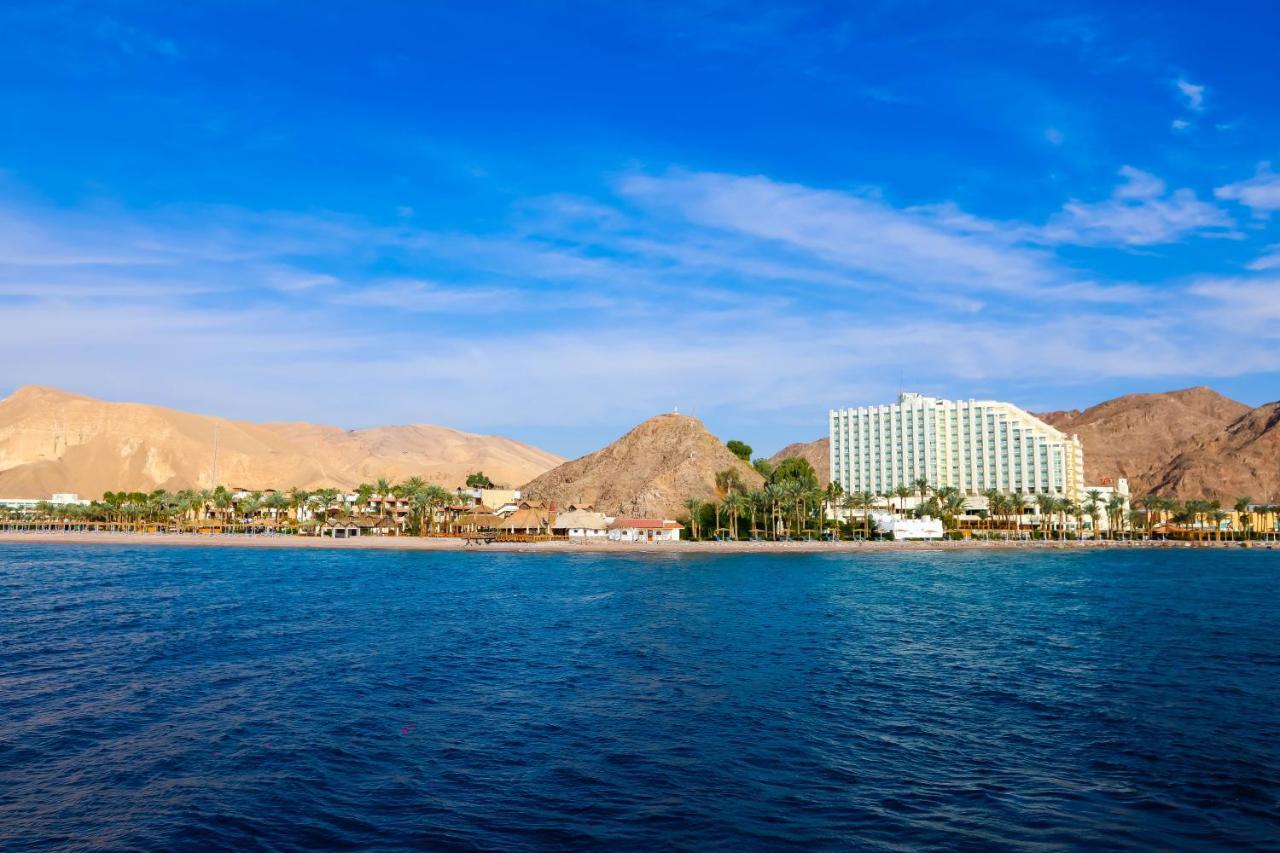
x=413 y=543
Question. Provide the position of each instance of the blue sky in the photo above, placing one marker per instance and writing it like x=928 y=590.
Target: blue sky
x=553 y=220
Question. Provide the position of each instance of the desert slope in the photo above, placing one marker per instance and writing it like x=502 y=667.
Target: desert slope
x=53 y=441
x=1242 y=460
x=1137 y=436
x=648 y=472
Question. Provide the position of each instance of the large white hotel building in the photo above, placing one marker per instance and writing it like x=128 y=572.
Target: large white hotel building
x=971 y=445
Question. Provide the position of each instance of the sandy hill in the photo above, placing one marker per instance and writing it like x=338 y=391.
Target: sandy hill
x=1137 y=436
x=818 y=453
x=649 y=472
x=54 y=441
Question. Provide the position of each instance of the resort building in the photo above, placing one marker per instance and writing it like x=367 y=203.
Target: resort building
x=644 y=530
x=969 y=445
x=30 y=504
x=581 y=524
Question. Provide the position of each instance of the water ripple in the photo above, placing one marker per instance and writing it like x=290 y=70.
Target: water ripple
x=193 y=698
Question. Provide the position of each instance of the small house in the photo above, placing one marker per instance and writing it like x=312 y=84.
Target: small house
x=581 y=524
x=644 y=530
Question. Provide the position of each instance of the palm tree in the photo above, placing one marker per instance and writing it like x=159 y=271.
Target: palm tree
x=694 y=507
x=1152 y=503
x=298 y=500
x=364 y=492
x=862 y=500
x=921 y=485
x=1246 y=519
x=277 y=503
x=950 y=505
x=325 y=499
x=1115 y=513
x=773 y=497
x=902 y=493
x=831 y=499
x=425 y=500
x=1093 y=502
x=1136 y=518
x=740 y=504
x=1069 y=509
x=759 y=503
x=1045 y=506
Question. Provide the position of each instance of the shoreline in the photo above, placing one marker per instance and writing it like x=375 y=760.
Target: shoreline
x=440 y=544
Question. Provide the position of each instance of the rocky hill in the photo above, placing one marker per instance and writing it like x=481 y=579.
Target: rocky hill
x=818 y=454
x=1139 y=435
x=649 y=472
x=54 y=441
x=1242 y=460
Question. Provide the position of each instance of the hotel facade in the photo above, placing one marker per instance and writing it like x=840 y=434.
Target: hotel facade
x=971 y=445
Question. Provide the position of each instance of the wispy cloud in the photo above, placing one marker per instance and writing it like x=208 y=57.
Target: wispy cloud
x=1139 y=213
x=1193 y=94
x=1261 y=193
x=631 y=297
x=1270 y=260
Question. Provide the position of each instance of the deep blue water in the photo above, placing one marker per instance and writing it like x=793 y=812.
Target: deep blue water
x=188 y=698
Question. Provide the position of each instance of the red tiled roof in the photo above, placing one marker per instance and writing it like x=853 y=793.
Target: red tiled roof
x=645 y=524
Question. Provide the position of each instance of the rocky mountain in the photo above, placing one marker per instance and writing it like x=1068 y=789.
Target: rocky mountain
x=649 y=472
x=1242 y=460
x=818 y=453
x=54 y=441
x=1138 y=436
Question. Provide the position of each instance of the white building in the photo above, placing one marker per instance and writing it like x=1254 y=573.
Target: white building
x=644 y=530
x=57 y=499
x=970 y=445
x=1102 y=495
x=907 y=528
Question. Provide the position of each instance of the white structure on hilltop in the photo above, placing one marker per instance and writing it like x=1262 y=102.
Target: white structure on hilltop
x=970 y=445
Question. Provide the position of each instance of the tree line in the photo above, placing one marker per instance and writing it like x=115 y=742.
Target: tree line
x=793 y=504
x=252 y=509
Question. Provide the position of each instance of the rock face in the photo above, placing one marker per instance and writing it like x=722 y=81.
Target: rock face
x=649 y=472
x=1242 y=460
x=818 y=454
x=1138 y=436
x=53 y=441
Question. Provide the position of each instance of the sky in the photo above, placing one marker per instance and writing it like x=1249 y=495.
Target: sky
x=553 y=220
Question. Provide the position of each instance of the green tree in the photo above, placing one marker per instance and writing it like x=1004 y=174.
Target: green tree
x=922 y=487
x=1246 y=518
x=763 y=467
x=1092 y=505
x=740 y=449
x=478 y=480
x=364 y=493
x=794 y=468
x=694 y=507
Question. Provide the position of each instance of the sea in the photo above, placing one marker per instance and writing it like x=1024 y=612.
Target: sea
x=214 y=698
